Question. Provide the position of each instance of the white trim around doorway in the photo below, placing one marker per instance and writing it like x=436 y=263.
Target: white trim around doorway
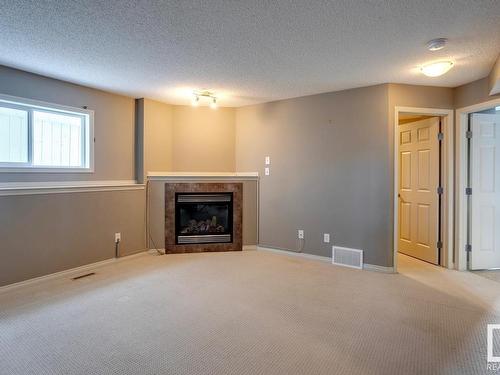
x=448 y=180
x=461 y=178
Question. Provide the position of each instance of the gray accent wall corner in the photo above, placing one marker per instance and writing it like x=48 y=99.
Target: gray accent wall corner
x=330 y=170
x=140 y=173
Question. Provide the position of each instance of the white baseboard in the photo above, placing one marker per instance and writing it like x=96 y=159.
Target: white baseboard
x=296 y=254
x=376 y=268
x=70 y=272
x=366 y=266
x=156 y=251
x=249 y=247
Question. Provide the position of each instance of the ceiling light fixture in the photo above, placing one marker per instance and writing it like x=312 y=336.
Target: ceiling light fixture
x=205 y=94
x=436 y=69
x=436 y=44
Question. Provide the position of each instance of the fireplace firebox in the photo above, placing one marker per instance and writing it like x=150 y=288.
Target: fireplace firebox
x=203 y=218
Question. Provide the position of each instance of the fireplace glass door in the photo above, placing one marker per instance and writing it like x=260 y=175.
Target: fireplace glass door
x=203 y=218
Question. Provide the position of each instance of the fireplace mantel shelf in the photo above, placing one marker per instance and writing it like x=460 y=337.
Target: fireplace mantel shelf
x=176 y=176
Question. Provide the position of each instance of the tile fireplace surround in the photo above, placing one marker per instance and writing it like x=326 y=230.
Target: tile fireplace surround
x=171 y=247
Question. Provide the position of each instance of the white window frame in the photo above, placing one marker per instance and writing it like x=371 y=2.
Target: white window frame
x=30 y=105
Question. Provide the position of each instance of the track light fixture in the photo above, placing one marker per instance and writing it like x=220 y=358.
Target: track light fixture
x=205 y=94
x=196 y=101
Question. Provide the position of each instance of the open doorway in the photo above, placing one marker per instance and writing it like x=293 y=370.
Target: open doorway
x=478 y=188
x=483 y=192
x=423 y=170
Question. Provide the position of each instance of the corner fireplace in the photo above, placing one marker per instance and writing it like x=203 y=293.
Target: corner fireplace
x=203 y=218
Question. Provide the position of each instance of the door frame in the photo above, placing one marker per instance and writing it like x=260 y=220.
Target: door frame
x=448 y=179
x=461 y=212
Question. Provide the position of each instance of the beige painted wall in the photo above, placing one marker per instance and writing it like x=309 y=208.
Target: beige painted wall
x=330 y=170
x=419 y=96
x=203 y=139
x=158 y=136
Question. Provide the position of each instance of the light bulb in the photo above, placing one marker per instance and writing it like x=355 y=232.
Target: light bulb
x=436 y=69
x=213 y=104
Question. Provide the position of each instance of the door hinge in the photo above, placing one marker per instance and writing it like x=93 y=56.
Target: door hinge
x=440 y=190
x=468 y=191
x=440 y=136
x=439 y=244
x=468 y=247
x=468 y=134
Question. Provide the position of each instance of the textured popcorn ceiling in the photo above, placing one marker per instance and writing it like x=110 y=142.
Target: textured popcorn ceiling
x=247 y=51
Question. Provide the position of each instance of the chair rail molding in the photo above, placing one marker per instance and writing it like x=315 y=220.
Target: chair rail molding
x=210 y=176
x=54 y=187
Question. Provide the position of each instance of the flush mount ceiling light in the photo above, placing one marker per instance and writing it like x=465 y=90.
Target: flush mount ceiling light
x=197 y=94
x=436 y=44
x=436 y=69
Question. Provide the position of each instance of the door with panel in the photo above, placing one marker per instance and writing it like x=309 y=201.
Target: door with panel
x=418 y=189
x=485 y=184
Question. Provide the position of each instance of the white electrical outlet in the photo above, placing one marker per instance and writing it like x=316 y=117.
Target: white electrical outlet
x=326 y=237
x=118 y=237
x=268 y=160
x=267 y=171
x=300 y=234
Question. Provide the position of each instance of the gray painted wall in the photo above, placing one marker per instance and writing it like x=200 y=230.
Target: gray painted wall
x=42 y=234
x=494 y=78
x=330 y=170
x=114 y=127
x=473 y=93
x=335 y=146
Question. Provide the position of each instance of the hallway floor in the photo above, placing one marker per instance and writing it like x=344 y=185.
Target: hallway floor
x=491 y=275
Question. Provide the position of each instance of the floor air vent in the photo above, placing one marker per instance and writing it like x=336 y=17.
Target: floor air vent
x=343 y=256
x=82 y=276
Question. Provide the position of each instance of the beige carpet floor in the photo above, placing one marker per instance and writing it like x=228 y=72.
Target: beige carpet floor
x=249 y=312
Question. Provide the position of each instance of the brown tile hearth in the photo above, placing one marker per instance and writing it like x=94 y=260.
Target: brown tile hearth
x=171 y=247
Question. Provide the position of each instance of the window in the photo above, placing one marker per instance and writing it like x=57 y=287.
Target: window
x=41 y=137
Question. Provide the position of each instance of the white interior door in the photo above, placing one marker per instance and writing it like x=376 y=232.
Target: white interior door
x=485 y=184
x=418 y=183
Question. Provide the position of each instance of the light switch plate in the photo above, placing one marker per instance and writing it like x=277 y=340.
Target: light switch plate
x=300 y=234
x=326 y=237
x=267 y=171
x=268 y=160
